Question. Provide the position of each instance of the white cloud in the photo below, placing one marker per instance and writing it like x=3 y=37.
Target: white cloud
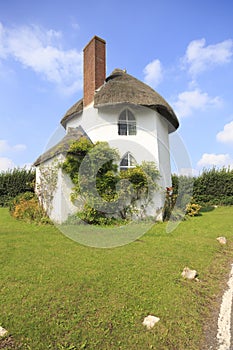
x=74 y=24
x=19 y=148
x=211 y=159
x=6 y=164
x=153 y=73
x=199 y=57
x=189 y=101
x=5 y=147
x=41 y=51
x=7 y=150
x=226 y=135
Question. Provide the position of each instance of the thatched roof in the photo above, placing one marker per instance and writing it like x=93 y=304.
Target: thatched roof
x=76 y=108
x=62 y=146
x=121 y=87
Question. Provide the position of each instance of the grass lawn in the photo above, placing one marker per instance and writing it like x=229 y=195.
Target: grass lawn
x=58 y=294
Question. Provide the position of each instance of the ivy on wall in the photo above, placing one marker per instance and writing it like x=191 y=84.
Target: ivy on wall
x=105 y=192
x=47 y=185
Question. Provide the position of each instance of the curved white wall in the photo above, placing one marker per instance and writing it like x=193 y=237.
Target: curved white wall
x=151 y=143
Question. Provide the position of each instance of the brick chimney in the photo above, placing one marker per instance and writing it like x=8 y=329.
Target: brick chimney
x=94 y=68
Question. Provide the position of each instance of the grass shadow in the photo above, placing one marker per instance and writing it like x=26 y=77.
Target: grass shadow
x=207 y=209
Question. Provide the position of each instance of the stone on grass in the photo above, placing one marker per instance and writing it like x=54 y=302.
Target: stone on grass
x=222 y=240
x=189 y=274
x=150 y=321
x=3 y=331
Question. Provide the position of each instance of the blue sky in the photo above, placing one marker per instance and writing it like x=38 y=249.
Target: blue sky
x=183 y=49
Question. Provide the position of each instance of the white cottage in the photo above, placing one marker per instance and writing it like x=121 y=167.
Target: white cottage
x=119 y=109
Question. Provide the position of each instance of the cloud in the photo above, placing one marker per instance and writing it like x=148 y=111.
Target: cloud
x=199 y=57
x=226 y=135
x=41 y=51
x=211 y=159
x=7 y=150
x=153 y=73
x=5 y=147
x=6 y=164
x=189 y=101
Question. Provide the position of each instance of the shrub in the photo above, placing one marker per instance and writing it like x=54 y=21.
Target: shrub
x=193 y=209
x=27 y=207
x=212 y=187
x=105 y=192
x=183 y=189
x=92 y=216
x=169 y=204
x=177 y=215
x=14 y=182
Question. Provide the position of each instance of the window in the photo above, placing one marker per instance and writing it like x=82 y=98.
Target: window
x=126 y=123
x=127 y=162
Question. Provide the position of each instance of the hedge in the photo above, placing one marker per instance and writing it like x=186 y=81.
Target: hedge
x=14 y=182
x=212 y=187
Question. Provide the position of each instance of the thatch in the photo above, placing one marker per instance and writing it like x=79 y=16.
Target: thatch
x=76 y=108
x=121 y=87
x=62 y=147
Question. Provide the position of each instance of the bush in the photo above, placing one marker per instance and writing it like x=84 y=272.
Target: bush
x=214 y=187
x=177 y=215
x=99 y=184
x=211 y=187
x=183 y=189
x=92 y=216
x=14 y=182
x=193 y=209
x=27 y=207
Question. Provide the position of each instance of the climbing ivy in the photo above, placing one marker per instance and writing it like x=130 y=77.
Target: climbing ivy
x=105 y=193
x=47 y=185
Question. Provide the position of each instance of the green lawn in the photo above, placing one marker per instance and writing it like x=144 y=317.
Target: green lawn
x=58 y=294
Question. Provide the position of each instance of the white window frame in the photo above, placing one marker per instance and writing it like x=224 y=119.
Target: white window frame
x=131 y=162
x=127 y=127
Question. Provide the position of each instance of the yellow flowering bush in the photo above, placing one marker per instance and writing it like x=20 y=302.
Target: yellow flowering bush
x=192 y=209
x=27 y=207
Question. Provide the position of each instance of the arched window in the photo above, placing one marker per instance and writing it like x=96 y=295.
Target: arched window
x=127 y=162
x=127 y=123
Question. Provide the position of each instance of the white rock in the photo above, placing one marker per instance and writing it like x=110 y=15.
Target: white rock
x=3 y=331
x=222 y=240
x=150 y=321
x=189 y=274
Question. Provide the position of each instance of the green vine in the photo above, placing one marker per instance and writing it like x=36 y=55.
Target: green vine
x=105 y=192
x=47 y=185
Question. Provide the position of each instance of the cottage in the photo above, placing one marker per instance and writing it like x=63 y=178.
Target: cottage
x=119 y=109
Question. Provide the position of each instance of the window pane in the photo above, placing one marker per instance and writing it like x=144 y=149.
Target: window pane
x=124 y=161
x=122 y=116
x=132 y=161
x=127 y=162
x=122 y=129
x=127 y=123
x=130 y=116
x=132 y=128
